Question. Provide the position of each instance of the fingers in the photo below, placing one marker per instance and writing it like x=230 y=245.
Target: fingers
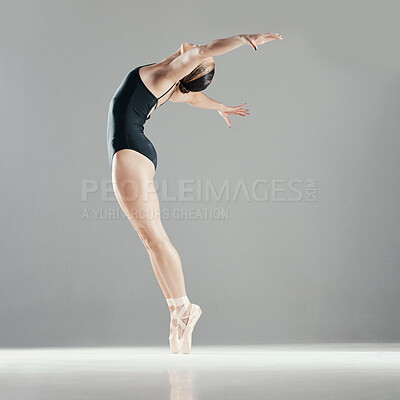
x=242 y=111
x=258 y=39
x=273 y=36
x=239 y=110
x=267 y=37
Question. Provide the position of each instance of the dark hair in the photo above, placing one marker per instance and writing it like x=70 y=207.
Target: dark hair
x=187 y=85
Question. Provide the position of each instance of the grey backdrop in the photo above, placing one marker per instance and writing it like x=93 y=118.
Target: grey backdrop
x=324 y=105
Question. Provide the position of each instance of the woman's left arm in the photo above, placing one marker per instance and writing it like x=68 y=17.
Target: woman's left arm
x=200 y=100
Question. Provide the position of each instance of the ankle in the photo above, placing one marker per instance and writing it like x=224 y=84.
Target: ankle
x=183 y=307
x=171 y=305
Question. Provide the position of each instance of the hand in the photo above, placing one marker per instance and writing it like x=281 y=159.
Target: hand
x=258 y=39
x=238 y=110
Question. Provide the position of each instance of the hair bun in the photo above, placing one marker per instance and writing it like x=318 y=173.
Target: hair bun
x=182 y=87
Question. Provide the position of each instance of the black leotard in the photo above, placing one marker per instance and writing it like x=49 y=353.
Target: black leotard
x=127 y=114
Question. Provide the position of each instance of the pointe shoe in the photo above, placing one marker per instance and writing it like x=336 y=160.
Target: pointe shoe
x=174 y=331
x=174 y=334
x=187 y=329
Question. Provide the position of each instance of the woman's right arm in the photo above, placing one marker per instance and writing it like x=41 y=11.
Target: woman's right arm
x=221 y=46
x=186 y=62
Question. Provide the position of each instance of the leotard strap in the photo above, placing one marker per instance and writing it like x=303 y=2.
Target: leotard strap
x=165 y=94
x=166 y=91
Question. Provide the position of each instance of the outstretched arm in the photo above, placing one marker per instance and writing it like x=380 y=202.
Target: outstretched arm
x=186 y=62
x=200 y=100
x=220 y=46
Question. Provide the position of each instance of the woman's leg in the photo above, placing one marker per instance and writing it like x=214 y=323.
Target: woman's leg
x=132 y=176
x=164 y=288
x=160 y=280
x=157 y=273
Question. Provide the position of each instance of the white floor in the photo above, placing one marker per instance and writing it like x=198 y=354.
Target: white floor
x=336 y=371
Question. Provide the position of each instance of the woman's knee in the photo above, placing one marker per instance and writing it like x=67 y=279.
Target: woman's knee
x=153 y=238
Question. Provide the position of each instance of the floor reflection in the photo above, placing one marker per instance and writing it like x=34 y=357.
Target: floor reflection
x=311 y=372
x=181 y=384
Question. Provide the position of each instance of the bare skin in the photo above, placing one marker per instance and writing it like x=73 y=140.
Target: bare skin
x=133 y=173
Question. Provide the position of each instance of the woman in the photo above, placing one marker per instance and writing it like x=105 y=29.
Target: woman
x=133 y=159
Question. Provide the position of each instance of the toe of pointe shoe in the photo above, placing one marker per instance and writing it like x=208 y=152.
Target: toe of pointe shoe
x=174 y=344
x=186 y=339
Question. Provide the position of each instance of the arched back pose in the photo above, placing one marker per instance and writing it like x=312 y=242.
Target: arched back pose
x=133 y=159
